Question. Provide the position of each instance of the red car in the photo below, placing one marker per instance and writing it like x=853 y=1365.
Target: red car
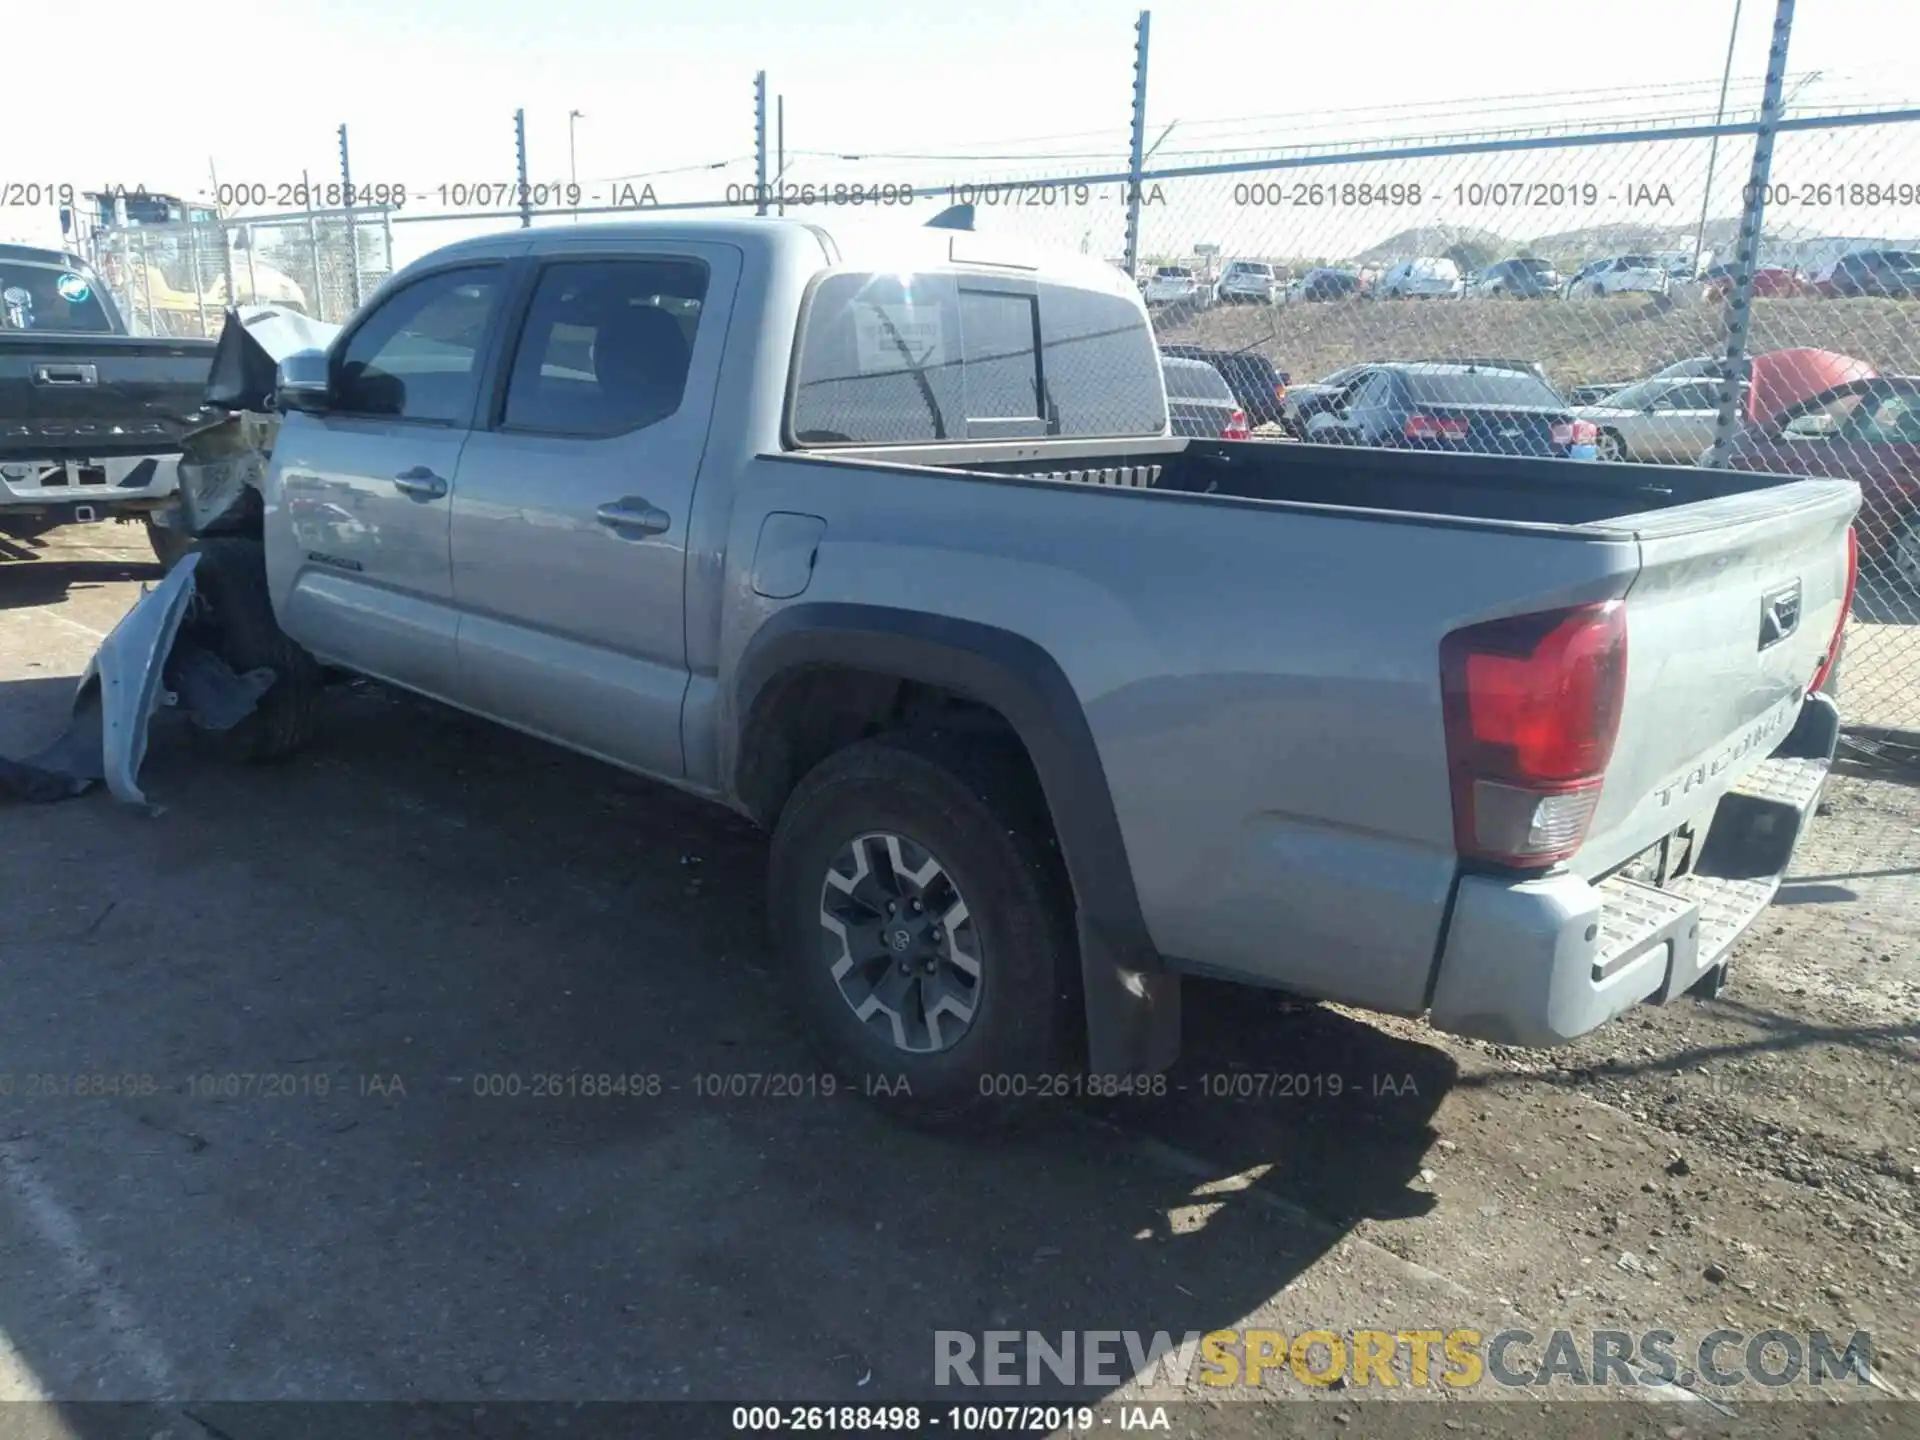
x=1770 y=282
x=1866 y=430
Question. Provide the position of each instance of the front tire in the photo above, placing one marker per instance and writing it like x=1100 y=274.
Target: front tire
x=959 y=1001
x=1609 y=446
x=233 y=616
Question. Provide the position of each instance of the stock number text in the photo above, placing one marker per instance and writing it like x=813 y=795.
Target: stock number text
x=1328 y=193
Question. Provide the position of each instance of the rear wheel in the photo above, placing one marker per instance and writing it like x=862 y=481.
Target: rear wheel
x=1609 y=446
x=926 y=924
x=232 y=615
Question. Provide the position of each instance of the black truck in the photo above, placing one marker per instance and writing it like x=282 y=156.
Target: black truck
x=90 y=415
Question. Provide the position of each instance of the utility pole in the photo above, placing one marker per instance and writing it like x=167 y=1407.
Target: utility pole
x=760 y=142
x=573 y=166
x=1713 y=151
x=1137 y=157
x=780 y=151
x=520 y=165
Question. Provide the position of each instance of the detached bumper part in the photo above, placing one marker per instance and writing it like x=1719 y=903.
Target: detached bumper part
x=124 y=684
x=1541 y=962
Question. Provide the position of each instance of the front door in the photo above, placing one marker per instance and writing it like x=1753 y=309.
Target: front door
x=361 y=570
x=570 y=521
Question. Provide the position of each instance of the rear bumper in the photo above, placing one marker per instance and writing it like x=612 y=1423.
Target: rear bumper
x=81 y=491
x=1541 y=962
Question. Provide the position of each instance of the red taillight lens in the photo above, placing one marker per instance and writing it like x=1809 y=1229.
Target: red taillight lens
x=1434 y=427
x=1280 y=390
x=1532 y=706
x=1846 y=609
x=1237 y=427
x=1577 y=432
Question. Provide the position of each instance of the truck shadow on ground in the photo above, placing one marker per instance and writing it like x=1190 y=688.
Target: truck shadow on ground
x=431 y=899
x=35 y=581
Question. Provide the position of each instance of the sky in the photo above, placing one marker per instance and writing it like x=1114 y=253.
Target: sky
x=428 y=88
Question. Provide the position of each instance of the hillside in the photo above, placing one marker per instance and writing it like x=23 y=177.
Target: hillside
x=1577 y=341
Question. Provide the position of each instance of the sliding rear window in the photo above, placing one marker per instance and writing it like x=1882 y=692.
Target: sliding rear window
x=953 y=356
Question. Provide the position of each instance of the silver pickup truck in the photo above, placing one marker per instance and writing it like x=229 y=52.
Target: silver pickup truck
x=878 y=536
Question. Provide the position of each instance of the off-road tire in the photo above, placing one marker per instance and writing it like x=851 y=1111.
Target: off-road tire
x=233 y=616
x=971 y=802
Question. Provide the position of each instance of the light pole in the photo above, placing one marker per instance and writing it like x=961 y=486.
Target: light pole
x=573 y=168
x=1713 y=152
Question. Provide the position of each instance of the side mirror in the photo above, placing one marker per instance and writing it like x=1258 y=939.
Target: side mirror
x=302 y=383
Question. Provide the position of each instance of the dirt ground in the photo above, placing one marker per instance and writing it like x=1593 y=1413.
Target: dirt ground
x=424 y=912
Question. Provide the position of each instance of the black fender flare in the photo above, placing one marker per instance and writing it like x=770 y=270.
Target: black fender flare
x=1132 y=999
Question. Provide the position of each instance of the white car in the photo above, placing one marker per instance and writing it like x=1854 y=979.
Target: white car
x=1248 y=280
x=1428 y=276
x=1660 y=422
x=1176 y=285
x=1645 y=274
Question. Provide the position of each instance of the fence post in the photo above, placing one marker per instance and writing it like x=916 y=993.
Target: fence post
x=520 y=165
x=760 y=142
x=386 y=235
x=1136 y=157
x=313 y=251
x=146 y=281
x=1753 y=214
x=193 y=259
x=353 y=226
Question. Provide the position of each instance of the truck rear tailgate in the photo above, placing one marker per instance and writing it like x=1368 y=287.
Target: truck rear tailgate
x=95 y=397
x=1735 y=605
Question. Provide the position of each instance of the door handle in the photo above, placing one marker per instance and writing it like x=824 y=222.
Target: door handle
x=421 y=483
x=630 y=513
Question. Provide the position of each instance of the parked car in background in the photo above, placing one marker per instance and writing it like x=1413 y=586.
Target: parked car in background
x=1314 y=398
x=1695 y=367
x=1453 y=407
x=1176 y=285
x=1245 y=280
x=1662 y=422
x=1894 y=273
x=1622 y=274
x=1325 y=283
x=1525 y=277
x=1259 y=386
x=1429 y=276
x=1867 y=431
x=1199 y=403
x=1770 y=282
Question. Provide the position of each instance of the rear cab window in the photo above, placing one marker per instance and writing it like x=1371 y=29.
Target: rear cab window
x=948 y=356
x=34 y=296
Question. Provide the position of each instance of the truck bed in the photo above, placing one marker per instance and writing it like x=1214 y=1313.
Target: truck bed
x=1426 y=484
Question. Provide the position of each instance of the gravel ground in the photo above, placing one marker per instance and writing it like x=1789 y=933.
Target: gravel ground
x=424 y=909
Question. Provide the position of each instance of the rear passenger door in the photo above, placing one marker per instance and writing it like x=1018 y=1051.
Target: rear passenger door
x=570 y=523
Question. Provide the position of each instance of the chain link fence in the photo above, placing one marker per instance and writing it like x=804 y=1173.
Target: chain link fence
x=1603 y=263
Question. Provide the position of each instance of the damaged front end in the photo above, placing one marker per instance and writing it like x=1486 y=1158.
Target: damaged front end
x=162 y=654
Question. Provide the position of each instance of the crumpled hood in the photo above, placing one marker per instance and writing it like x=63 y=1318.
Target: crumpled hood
x=253 y=342
x=1783 y=378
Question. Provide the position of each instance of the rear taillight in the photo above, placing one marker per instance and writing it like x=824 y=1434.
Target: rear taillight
x=1280 y=390
x=1846 y=609
x=1237 y=427
x=1434 y=427
x=1576 y=432
x=1532 y=706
